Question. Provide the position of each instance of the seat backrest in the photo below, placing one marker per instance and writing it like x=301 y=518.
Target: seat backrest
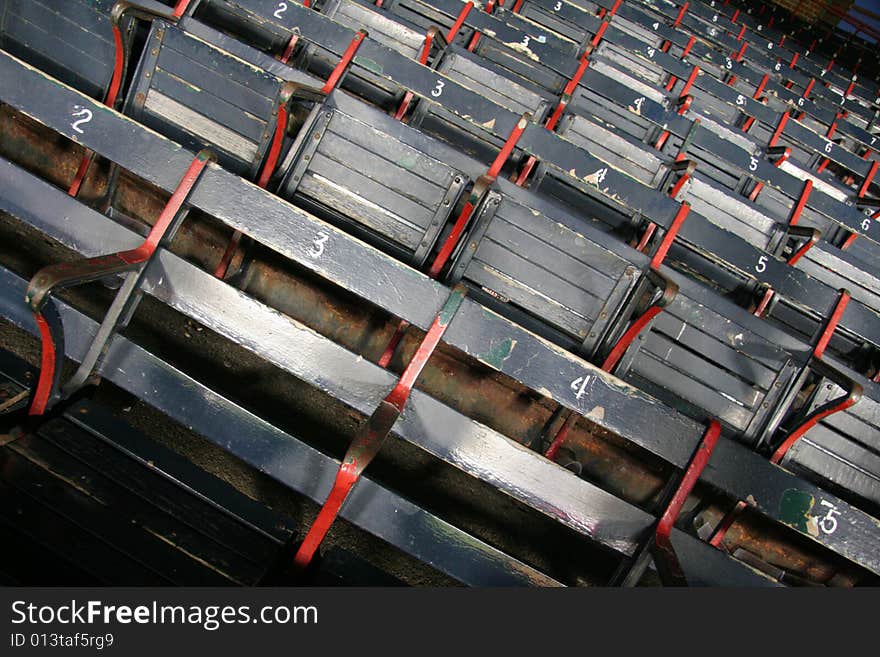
x=376 y=176
x=843 y=449
x=201 y=96
x=634 y=158
x=711 y=359
x=380 y=27
x=70 y=40
x=549 y=276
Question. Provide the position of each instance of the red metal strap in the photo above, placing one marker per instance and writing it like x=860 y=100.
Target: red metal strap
x=866 y=183
x=526 y=171
x=793 y=60
x=690 y=81
x=741 y=52
x=808 y=88
x=661 y=140
x=600 y=33
x=517 y=6
x=347 y=56
x=561 y=435
x=802 y=202
x=452 y=238
x=726 y=522
x=735 y=16
x=368 y=441
x=570 y=86
x=765 y=303
x=742 y=31
x=810 y=422
x=760 y=89
x=508 y=147
x=614 y=8
x=669 y=237
x=664 y=549
x=47 y=368
x=681 y=13
x=288 y=50
x=275 y=148
x=782 y=158
x=181 y=7
x=831 y=324
x=676 y=188
x=134 y=256
x=757 y=190
x=809 y=244
x=687 y=48
x=780 y=126
x=646 y=237
x=849 y=240
x=456 y=26
x=626 y=339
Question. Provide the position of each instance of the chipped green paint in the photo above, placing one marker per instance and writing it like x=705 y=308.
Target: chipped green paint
x=451 y=306
x=369 y=64
x=794 y=509
x=408 y=161
x=499 y=352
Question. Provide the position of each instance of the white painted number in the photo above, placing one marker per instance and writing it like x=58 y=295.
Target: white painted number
x=712 y=31
x=800 y=102
x=651 y=52
x=728 y=64
x=282 y=7
x=778 y=67
x=600 y=175
x=638 y=103
x=740 y=99
x=86 y=115
x=436 y=91
x=828 y=147
x=769 y=46
x=760 y=27
x=761 y=267
x=318 y=249
x=715 y=18
x=866 y=225
x=579 y=385
x=828 y=523
x=753 y=164
x=656 y=26
x=557 y=6
x=526 y=40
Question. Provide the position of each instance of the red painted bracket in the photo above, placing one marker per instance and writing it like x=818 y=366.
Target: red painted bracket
x=65 y=275
x=853 y=391
x=869 y=178
x=801 y=203
x=668 y=565
x=345 y=60
x=369 y=439
x=681 y=13
x=462 y=17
